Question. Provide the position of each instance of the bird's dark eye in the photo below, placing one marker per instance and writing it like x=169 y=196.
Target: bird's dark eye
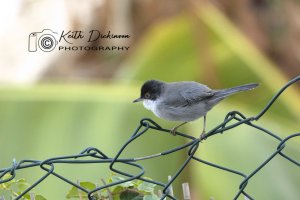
x=147 y=95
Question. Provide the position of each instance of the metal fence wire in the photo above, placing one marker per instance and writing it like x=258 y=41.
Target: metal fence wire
x=94 y=155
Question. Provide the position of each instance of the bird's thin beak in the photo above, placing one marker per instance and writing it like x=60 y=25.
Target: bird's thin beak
x=137 y=100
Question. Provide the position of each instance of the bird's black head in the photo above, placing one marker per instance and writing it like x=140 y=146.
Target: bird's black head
x=150 y=90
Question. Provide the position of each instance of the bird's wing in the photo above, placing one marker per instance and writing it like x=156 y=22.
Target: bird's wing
x=182 y=94
x=195 y=93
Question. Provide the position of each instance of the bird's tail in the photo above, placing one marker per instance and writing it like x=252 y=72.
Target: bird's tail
x=221 y=94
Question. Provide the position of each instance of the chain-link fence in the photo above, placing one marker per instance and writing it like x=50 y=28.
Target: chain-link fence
x=94 y=155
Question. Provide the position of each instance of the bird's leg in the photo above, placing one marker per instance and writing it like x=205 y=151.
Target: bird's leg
x=173 y=130
x=204 y=126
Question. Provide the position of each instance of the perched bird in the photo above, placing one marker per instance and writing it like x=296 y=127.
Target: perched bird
x=183 y=101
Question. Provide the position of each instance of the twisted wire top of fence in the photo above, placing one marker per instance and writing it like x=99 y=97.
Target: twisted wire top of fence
x=97 y=156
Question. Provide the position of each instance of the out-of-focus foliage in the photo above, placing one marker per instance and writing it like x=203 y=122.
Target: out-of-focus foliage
x=52 y=120
x=199 y=44
x=170 y=53
x=131 y=190
x=13 y=188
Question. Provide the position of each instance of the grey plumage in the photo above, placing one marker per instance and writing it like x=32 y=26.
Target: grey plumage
x=227 y=92
x=183 y=101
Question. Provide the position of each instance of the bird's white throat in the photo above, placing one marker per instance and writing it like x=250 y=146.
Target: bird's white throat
x=149 y=104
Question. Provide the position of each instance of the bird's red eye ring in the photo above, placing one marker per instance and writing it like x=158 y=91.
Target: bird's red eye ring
x=147 y=95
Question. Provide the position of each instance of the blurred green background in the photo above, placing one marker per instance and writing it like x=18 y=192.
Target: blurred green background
x=73 y=100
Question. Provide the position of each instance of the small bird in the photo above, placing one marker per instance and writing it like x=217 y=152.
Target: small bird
x=183 y=101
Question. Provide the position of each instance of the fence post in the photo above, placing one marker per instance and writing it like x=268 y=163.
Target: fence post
x=32 y=196
x=186 y=191
x=170 y=188
x=79 y=191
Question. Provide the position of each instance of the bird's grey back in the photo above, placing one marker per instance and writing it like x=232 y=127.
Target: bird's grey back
x=185 y=92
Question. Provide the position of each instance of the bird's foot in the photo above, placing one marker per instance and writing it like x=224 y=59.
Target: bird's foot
x=203 y=136
x=173 y=131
